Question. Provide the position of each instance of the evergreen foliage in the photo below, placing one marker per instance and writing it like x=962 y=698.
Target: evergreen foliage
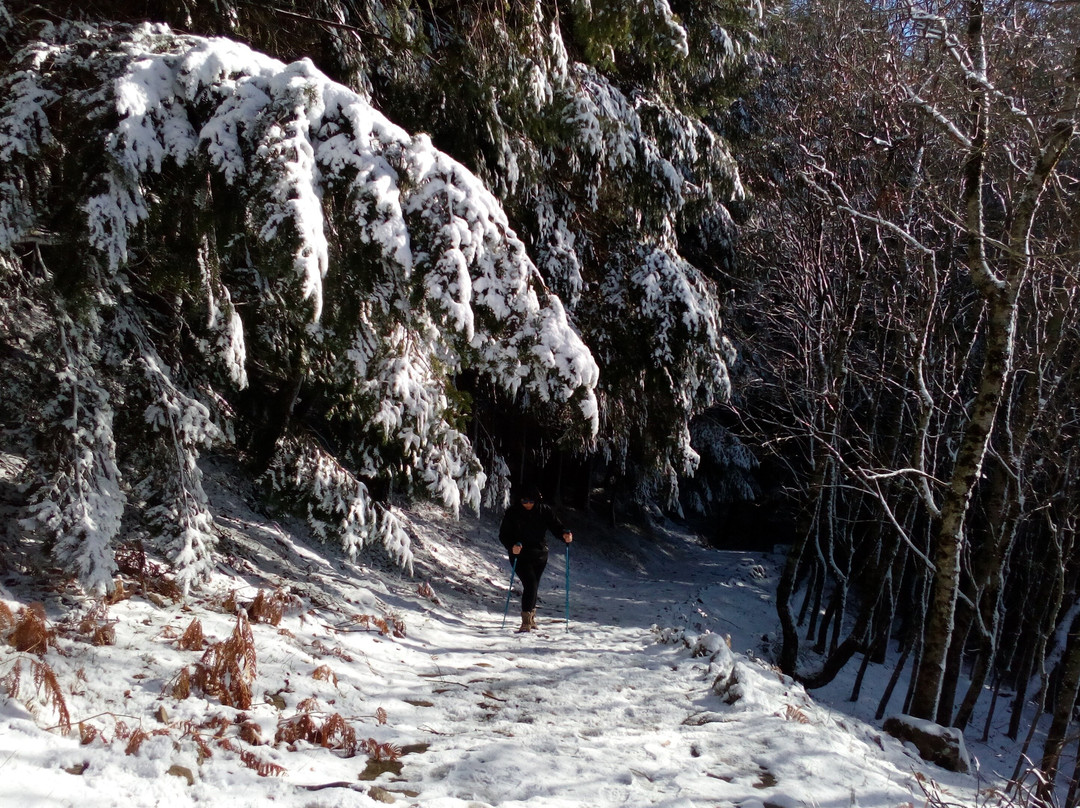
x=197 y=241
x=598 y=126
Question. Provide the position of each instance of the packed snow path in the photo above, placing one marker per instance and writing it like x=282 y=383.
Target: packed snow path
x=614 y=710
x=640 y=703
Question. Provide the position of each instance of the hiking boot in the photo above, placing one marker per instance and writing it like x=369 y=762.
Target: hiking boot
x=526 y=622
x=532 y=620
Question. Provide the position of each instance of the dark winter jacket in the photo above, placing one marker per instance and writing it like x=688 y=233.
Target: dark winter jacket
x=529 y=528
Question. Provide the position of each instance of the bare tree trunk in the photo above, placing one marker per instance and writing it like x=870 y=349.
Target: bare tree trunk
x=883 y=705
x=1063 y=709
x=1000 y=293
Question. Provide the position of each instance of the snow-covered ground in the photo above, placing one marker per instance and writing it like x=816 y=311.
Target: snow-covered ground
x=636 y=702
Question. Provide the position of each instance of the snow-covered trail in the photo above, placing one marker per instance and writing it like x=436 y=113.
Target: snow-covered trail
x=607 y=713
x=640 y=703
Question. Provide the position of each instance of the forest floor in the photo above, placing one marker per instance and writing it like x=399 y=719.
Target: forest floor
x=654 y=693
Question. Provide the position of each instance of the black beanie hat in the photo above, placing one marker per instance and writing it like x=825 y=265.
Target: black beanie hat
x=530 y=492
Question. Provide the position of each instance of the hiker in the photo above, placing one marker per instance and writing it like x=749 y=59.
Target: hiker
x=524 y=535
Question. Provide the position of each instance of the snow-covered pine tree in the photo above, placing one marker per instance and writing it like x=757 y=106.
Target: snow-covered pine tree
x=191 y=218
x=598 y=124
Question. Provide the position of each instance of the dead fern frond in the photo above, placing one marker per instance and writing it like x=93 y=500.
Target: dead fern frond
x=380 y=752
x=793 y=713
x=381 y=717
x=251 y=733
x=192 y=639
x=308 y=705
x=7 y=619
x=264 y=768
x=300 y=727
x=180 y=686
x=45 y=681
x=135 y=741
x=31 y=634
x=87 y=733
x=227 y=670
x=267 y=608
x=323 y=673
x=10 y=682
x=335 y=733
x=121 y=731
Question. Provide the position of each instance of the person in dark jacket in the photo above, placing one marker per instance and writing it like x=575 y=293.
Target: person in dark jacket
x=523 y=533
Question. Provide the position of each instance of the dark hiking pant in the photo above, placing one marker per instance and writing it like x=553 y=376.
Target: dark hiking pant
x=529 y=570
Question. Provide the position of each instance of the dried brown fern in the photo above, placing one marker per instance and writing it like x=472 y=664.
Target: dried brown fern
x=192 y=639
x=301 y=727
x=793 y=713
x=31 y=634
x=46 y=689
x=334 y=733
x=380 y=752
x=381 y=717
x=135 y=741
x=87 y=733
x=7 y=619
x=227 y=670
x=267 y=608
x=263 y=767
x=323 y=673
x=45 y=681
x=180 y=686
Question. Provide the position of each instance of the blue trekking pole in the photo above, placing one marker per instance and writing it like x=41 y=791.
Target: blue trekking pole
x=568 y=586
x=509 y=589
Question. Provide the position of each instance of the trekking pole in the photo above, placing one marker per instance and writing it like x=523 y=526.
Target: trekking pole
x=509 y=589
x=568 y=586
